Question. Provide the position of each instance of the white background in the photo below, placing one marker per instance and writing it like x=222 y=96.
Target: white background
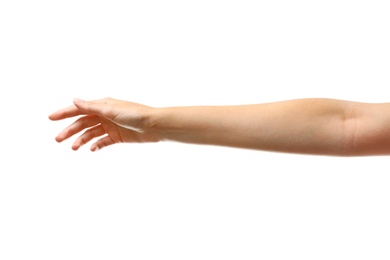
x=180 y=201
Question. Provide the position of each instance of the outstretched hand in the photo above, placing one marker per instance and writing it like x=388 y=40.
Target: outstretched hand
x=108 y=120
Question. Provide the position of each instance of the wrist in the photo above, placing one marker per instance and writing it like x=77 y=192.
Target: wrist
x=154 y=122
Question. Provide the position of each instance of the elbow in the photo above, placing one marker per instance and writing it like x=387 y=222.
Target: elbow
x=350 y=144
x=350 y=121
x=364 y=132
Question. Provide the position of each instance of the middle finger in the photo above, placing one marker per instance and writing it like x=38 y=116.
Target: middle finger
x=79 y=125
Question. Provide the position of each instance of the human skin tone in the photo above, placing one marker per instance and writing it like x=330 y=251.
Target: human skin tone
x=316 y=126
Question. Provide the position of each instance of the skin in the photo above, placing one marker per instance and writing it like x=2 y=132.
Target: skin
x=315 y=126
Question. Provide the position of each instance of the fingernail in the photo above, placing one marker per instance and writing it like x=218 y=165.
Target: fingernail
x=77 y=100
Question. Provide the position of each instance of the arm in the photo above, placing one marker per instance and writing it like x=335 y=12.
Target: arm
x=308 y=126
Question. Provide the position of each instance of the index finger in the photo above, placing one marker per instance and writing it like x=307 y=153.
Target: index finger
x=70 y=111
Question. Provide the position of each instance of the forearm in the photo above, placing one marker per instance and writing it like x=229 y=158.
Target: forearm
x=310 y=126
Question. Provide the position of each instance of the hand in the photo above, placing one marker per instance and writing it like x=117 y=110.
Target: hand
x=113 y=121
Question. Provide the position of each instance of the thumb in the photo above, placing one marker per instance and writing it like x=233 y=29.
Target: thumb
x=99 y=107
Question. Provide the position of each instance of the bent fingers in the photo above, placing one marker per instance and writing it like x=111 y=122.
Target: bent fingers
x=79 y=125
x=88 y=136
x=101 y=143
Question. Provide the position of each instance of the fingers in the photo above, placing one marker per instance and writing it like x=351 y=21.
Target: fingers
x=102 y=107
x=70 y=111
x=95 y=112
x=79 y=125
x=101 y=143
x=88 y=136
x=95 y=130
